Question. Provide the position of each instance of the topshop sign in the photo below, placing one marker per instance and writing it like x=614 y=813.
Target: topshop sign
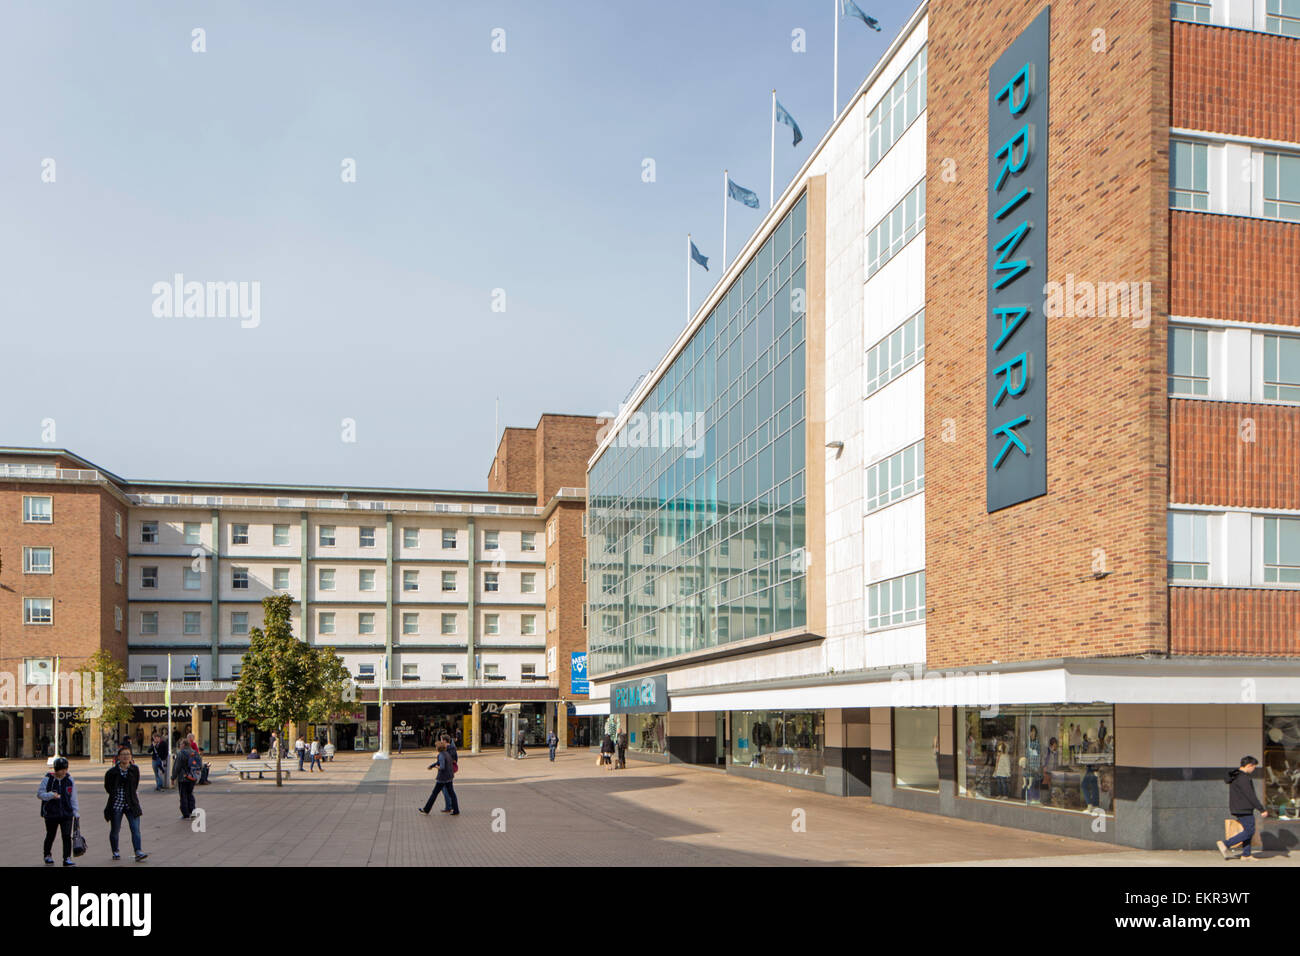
x=1016 y=353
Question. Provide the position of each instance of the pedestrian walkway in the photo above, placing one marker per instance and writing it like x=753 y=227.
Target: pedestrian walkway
x=531 y=812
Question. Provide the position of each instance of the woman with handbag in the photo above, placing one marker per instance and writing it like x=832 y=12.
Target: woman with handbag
x=59 y=808
x=122 y=783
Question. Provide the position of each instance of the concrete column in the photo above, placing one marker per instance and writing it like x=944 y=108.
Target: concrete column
x=562 y=725
x=385 y=729
x=95 y=734
x=476 y=732
x=196 y=724
x=29 y=734
x=12 y=721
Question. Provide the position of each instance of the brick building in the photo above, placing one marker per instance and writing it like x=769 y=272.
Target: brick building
x=1044 y=575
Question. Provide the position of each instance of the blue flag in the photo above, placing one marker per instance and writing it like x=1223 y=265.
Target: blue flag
x=194 y=663
x=702 y=260
x=783 y=117
x=850 y=9
x=741 y=194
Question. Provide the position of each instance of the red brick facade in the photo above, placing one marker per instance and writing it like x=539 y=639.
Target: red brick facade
x=1237 y=621
x=1234 y=268
x=1234 y=454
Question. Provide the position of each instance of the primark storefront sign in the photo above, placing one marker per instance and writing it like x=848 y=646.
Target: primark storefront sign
x=648 y=695
x=1016 y=353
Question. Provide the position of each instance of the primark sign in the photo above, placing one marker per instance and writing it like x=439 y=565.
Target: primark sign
x=648 y=695
x=1016 y=351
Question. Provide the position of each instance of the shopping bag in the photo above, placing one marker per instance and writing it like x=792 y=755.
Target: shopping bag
x=78 y=841
x=1231 y=828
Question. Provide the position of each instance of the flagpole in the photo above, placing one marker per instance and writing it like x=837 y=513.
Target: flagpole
x=724 y=220
x=771 y=182
x=835 y=84
x=167 y=698
x=688 y=278
x=56 y=705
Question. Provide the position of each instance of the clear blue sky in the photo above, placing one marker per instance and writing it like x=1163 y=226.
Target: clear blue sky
x=475 y=171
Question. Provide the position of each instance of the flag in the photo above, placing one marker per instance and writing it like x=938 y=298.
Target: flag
x=783 y=117
x=194 y=663
x=702 y=260
x=742 y=195
x=850 y=9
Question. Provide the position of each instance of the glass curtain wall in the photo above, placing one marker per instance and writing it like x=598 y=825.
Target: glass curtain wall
x=697 y=508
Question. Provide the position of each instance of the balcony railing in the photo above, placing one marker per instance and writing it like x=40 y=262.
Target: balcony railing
x=179 y=685
x=333 y=504
x=49 y=472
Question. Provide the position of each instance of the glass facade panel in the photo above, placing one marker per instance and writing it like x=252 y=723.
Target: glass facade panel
x=916 y=748
x=785 y=741
x=699 y=497
x=1282 y=368
x=1060 y=757
x=1281 y=767
x=1189 y=178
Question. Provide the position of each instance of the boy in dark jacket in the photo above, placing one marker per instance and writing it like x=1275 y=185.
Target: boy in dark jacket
x=443 y=783
x=122 y=783
x=58 y=808
x=1242 y=804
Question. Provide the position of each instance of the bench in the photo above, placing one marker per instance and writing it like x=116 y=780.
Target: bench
x=259 y=767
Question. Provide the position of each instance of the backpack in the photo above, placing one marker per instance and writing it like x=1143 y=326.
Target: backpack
x=194 y=769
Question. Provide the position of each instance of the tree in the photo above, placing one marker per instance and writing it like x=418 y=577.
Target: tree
x=284 y=679
x=106 y=702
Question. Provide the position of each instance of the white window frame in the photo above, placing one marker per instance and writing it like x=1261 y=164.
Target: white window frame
x=491 y=625
x=236 y=534
x=34 y=517
x=410 y=622
x=276 y=573
x=149 y=578
x=365 y=622
x=279 y=540
x=491 y=540
x=320 y=579
x=148 y=623
x=30 y=567
x=191 y=580
x=362 y=579
x=449 y=577
x=321 y=536
x=1188 y=532
x=148 y=672
x=325 y=622
x=448 y=532
x=491 y=582
x=236 y=628
x=447 y=619
x=527 y=582
x=192 y=532
x=235 y=577
x=189 y=618
x=410 y=580
x=361 y=536
x=527 y=541
x=886 y=480
x=528 y=624
x=410 y=539
x=117 y=570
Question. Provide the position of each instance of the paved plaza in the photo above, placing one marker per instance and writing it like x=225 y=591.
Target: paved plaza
x=531 y=812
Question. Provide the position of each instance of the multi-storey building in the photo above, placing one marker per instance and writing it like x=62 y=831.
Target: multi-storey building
x=439 y=596
x=993 y=510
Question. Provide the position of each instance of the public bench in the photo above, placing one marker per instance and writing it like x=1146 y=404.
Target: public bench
x=259 y=767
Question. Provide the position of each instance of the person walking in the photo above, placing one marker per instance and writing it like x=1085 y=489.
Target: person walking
x=122 y=783
x=59 y=808
x=520 y=753
x=158 y=753
x=606 y=751
x=186 y=773
x=622 y=751
x=274 y=750
x=452 y=753
x=300 y=748
x=443 y=782
x=1242 y=804
x=315 y=756
x=552 y=742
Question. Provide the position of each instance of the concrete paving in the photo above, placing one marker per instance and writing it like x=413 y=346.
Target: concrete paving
x=531 y=812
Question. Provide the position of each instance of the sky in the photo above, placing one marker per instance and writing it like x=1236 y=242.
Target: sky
x=499 y=242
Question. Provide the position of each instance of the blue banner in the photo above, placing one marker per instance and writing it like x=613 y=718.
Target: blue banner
x=578 y=683
x=742 y=195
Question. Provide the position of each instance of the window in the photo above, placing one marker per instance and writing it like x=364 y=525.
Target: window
x=1189 y=547
x=550 y=531
x=366 y=537
x=584 y=569
x=365 y=673
x=148 y=622
x=897 y=109
x=550 y=576
x=192 y=623
x=648 y=544
x=280 y=579
x=528 y=582
x=239 y=623
x=492 y=624
x=528 y=624
x=584 y=524
x=236 y=668
x=896 y=230
x=528 y=541
x=366 y=579
x=449 y=624
x=410 y=623
x=149 y=578
x=239 y=579
x=148 y=672
x=897 y=601
x=609 y=582
x=148 y=532
x=528 y=672
x=117 y=523
x=411 y=539
x=491 y=540
x=192 y=531
x=325 y=579
x=449 y=580
x=38 y=560
x=366 y=622
x=584 y=615
x=1189 y=361
x=449 y=672
x=896 y=353
x=784 y=741
x=410 y=580
x=1282 y=550
x=326 y=536
x=1189 y=178
x=550 y=619
x=39 y=509
x=896 y=477
x=491 y=580
x=325 y=623
x=239 y=534
x=117 y=618
x=1282 y=368
x=1282 y=180
x=117 y=570
x=448 y=537
x=410 y=672
x=1282 y=17
x=280 y=535
x=493 y=672
x=191 y=580
x=1193 y=11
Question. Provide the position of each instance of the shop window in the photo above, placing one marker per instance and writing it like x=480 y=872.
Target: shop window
x=784 y=741
x=1281 y=767
x=916 y=748
x=647 y=733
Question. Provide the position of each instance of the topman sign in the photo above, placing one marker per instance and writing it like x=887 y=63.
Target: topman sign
x=648 y=695
x=1016 y=354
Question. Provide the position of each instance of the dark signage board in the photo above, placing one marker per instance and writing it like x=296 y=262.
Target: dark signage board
x=1016 y=350
x=646 y=695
